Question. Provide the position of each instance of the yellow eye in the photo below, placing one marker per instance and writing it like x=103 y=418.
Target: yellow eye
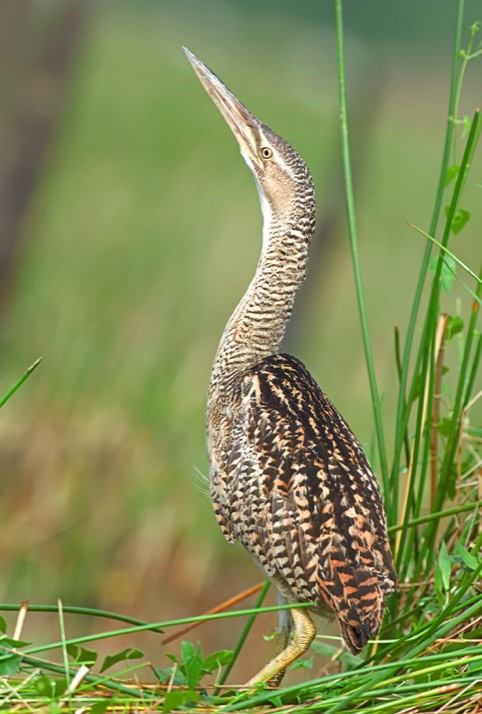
x=266 y=152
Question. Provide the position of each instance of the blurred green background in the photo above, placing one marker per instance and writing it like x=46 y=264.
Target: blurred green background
x=136 y=230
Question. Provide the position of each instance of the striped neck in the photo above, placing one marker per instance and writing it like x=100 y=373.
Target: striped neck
x=257 y=326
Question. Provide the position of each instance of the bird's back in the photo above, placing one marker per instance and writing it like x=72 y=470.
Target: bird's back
x=290 y=481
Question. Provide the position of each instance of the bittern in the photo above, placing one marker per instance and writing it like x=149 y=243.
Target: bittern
x=288 y=478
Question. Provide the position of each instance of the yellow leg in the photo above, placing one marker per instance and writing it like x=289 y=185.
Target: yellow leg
x=304 y=632
x=281 y=644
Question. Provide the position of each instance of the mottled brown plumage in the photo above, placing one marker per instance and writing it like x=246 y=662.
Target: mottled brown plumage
x=288 y=478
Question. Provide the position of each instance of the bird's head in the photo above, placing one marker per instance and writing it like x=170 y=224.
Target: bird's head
x=276 y=166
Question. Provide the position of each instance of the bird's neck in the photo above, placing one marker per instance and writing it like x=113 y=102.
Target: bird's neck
x=257 y=326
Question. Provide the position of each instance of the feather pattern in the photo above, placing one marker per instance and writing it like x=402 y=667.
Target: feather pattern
x=295 y=488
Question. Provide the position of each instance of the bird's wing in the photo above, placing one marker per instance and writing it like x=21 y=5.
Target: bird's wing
x=302 y=498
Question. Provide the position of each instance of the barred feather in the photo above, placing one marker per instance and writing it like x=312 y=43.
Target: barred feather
x=295 y=488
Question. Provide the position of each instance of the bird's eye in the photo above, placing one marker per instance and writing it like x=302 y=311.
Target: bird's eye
x=266 y=152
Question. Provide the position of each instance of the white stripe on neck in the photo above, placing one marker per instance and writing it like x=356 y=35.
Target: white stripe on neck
x=267 y=214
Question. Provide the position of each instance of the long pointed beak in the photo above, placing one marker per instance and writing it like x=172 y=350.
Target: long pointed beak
x=243 y=124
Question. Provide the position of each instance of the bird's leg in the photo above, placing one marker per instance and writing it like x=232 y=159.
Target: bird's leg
x=304 y=632
x=285 y=626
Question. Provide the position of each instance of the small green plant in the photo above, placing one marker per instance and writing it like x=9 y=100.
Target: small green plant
x=188 y=672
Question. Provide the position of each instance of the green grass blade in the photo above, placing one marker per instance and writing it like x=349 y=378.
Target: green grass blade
x=19 y=383
x=353 y=233
x=75 y=610
x=437 y=516
x=404 y=404
x=63 y=640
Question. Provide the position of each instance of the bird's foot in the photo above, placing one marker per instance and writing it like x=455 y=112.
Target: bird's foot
x=304 y=632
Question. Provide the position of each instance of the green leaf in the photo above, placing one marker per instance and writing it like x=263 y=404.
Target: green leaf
x=178 y=699
x=445 y=565
x=448 y=271
x=459 y=220
x=446 y=390
x=455 y=325
x=444 y=426
x=303 y=663
x=44 y=686
x=192 y=663
x=216 y=660
x=439 y=589
x=86 y=656
x=100 y=707
x=82 y=655
x=474 y=667
x=10 y=642
x=165 y=675
x=466 y=125
x=10 y=665
x=73 y=651
x=188 y=652
x=3 y=625
x=50 y=688
x=126 y=654
x=60 y=687
x=467 y=558
x=443 y=569
x=452 y=172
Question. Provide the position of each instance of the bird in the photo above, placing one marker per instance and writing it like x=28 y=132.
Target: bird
x=287 y=477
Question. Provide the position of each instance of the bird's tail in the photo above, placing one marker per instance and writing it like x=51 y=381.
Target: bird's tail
x=355 y=636
x=357 y=597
